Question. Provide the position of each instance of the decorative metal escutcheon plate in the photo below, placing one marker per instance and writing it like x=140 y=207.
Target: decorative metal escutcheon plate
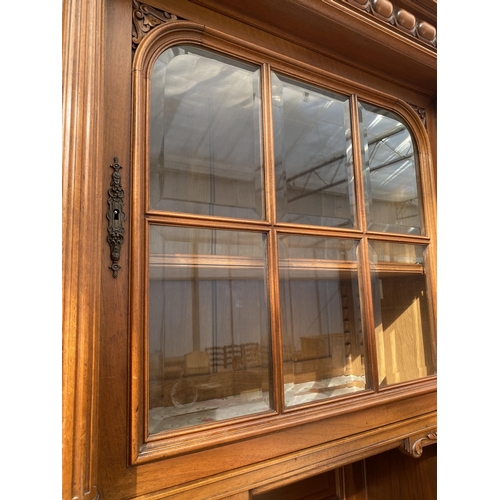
x=115 y=216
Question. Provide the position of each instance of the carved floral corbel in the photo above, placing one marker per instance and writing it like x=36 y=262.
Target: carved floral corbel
x=414 y=445
x=145 y=18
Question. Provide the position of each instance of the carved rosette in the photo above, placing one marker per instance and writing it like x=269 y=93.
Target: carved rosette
x=115 y=216
x=414 y=445
x=421 y=112
x=145 y=18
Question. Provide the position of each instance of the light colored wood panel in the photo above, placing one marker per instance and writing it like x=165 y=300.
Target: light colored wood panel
x=403 y=337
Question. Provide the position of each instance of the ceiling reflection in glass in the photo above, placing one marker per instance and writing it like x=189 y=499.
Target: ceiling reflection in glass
x=390 y=175
x=206 y=148
x=205 y=135
x=313 y=155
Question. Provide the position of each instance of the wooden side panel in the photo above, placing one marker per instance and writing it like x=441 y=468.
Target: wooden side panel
x=393 y=476
x=82 y=40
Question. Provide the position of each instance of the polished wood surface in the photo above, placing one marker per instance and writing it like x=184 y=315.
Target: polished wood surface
x=82 y=215
x=106 y=452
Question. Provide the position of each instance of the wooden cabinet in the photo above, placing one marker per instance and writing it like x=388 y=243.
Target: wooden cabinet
x=204 y=273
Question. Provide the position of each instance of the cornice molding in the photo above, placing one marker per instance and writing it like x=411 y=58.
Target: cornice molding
x=401 y=19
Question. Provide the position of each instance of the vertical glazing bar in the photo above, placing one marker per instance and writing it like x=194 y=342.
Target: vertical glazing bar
x=276 y=357
x=268 y=144
x=371 y=362
x=371 y=366
x=358 y=163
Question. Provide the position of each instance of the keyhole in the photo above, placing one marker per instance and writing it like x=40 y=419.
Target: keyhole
x=116 y=214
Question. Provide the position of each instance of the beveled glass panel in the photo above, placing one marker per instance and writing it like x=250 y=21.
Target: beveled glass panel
x=209 y=326
x=390 y=173
x=323 y=344
x=405 y=344
x=313 y=155
x=205 y=135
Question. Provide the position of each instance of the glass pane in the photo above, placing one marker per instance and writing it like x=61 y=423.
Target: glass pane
x=323 y=352
x=313 y=155
x=208 y=326
x=390 y=173
x=205 y=135
x=405 y=346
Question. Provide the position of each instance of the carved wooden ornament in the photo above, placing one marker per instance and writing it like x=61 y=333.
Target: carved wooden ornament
x=145 y=18
x=414 y=445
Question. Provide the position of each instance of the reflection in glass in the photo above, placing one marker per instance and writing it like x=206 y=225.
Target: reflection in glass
x=205 y=135
x=405 y=345
x=390 y=173
x=323 y=352
x=208 y=326
x=313 y=155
